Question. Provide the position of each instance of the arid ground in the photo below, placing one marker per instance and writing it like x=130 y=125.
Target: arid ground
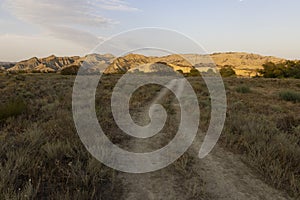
x=42 y=157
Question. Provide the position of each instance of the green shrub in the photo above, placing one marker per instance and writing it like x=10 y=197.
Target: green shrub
x=11 y=109
x=287 y=69
x=290 y=96
x=243 y=89
x=194 y=72
x=227 y=71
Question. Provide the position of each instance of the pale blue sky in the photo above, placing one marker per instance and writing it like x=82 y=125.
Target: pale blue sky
x=72 y=27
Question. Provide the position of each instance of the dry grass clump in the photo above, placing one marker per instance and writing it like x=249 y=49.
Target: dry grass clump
x=290 y=96
x=243 y=89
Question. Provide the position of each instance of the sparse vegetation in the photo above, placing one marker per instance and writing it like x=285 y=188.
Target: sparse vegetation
x=263 y=130
x=272 y=152
x=43 y=157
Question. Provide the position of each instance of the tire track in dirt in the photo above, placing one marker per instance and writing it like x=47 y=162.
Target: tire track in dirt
x=225 y=176
x=167 y=183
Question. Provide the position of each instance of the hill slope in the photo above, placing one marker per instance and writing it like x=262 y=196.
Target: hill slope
x=49 y=64
x=244 y=64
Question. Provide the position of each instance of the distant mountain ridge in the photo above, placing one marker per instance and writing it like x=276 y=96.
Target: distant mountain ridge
x=48 y=64
x=245 y=64
x=56 y=64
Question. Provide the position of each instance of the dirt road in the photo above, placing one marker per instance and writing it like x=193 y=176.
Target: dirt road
x=221 y=175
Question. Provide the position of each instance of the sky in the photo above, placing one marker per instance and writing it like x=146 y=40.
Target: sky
x=74 y=27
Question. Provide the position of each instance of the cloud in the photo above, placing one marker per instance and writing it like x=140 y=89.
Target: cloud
x=82 y=38
x=67 y=19
x=117 y=5
x=62 y=12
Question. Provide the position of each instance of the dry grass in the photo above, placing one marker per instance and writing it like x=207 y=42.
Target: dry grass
x=42 y=156
x=265 y=130
x=243 y=89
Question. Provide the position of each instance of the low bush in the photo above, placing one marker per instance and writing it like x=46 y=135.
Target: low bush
x=12 y=108
x=290 y=96
x=243 y=89
x=194 y=72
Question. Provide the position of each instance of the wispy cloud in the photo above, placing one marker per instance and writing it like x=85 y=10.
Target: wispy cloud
x=117 y=5
x=81 y=37
x=65 y=18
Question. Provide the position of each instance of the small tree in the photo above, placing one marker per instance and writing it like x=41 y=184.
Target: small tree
x=227 y=71
x=194 y=72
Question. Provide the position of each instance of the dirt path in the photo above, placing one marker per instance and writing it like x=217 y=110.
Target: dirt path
x=221 y=175
x=227 y=177
x=168 y=183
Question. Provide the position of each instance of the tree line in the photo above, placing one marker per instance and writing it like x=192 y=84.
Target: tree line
x=288 y=69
